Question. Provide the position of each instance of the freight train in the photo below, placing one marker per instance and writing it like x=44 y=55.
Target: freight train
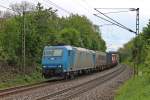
x=68 y=61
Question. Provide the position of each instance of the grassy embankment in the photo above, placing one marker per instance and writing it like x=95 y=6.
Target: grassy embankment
x=19 y=80
x=137 y=88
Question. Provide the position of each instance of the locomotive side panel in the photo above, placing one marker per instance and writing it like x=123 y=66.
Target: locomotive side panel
x=100 y=59
x=83 y=59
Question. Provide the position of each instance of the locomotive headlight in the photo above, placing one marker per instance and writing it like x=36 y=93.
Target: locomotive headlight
x=59 y=66
x=44 y=66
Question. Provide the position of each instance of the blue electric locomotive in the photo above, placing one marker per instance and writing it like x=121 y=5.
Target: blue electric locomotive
x=68 y=61
x=55 y=60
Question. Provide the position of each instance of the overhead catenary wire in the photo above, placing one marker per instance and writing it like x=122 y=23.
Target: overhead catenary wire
x=122 y=26
x=88 y=6
x=57 y=6
x=105 y=25
x=7 y=8
x=123 y=10
x=115 y=8
x=131 y=9
x=81 y=5
x=115 y=12
x=109 y=21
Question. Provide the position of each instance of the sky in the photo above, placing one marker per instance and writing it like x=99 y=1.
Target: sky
x=114 y=36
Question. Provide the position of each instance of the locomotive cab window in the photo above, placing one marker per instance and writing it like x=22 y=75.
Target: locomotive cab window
x=53 y=52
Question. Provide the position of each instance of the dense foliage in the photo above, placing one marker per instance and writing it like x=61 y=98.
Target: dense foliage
x=43 y=27
x=137 y=51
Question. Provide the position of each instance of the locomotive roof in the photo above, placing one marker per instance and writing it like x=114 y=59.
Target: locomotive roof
x=101 y=52
x=113 y=52
x=84 y=49
x=68 y=47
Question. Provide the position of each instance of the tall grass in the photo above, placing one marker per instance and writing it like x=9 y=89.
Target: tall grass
x=22 y=80
x=137 y=88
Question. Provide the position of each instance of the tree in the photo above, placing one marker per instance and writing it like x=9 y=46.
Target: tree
x=21 y=7
x=71 y=36
x=89 y=33
x=137 y=50
x=43 y=27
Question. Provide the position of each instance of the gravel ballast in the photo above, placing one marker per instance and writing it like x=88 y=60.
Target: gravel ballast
x=104 y=91
x=108 y=90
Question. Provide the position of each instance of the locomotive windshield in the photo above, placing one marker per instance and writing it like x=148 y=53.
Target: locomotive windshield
x=53 y=52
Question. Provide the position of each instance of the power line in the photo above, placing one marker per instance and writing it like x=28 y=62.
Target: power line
x=7 y=8
x=114 y=8
x=105 y=25
x=87 y=4
x=81 y=5
x=115 y=12
x=135 y=51
x=54 y=4
x=110 y=21
x=122 y=26
x=115 y=21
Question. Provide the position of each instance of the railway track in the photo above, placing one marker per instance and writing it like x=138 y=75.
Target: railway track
x=73 y=91
x=64 y=93
x=19 y=89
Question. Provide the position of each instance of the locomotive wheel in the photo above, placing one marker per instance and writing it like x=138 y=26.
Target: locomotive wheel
x=72 y=76
x=66 y=77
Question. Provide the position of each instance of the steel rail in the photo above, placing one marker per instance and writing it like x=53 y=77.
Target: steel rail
x=83 y=87
x=23 y=88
